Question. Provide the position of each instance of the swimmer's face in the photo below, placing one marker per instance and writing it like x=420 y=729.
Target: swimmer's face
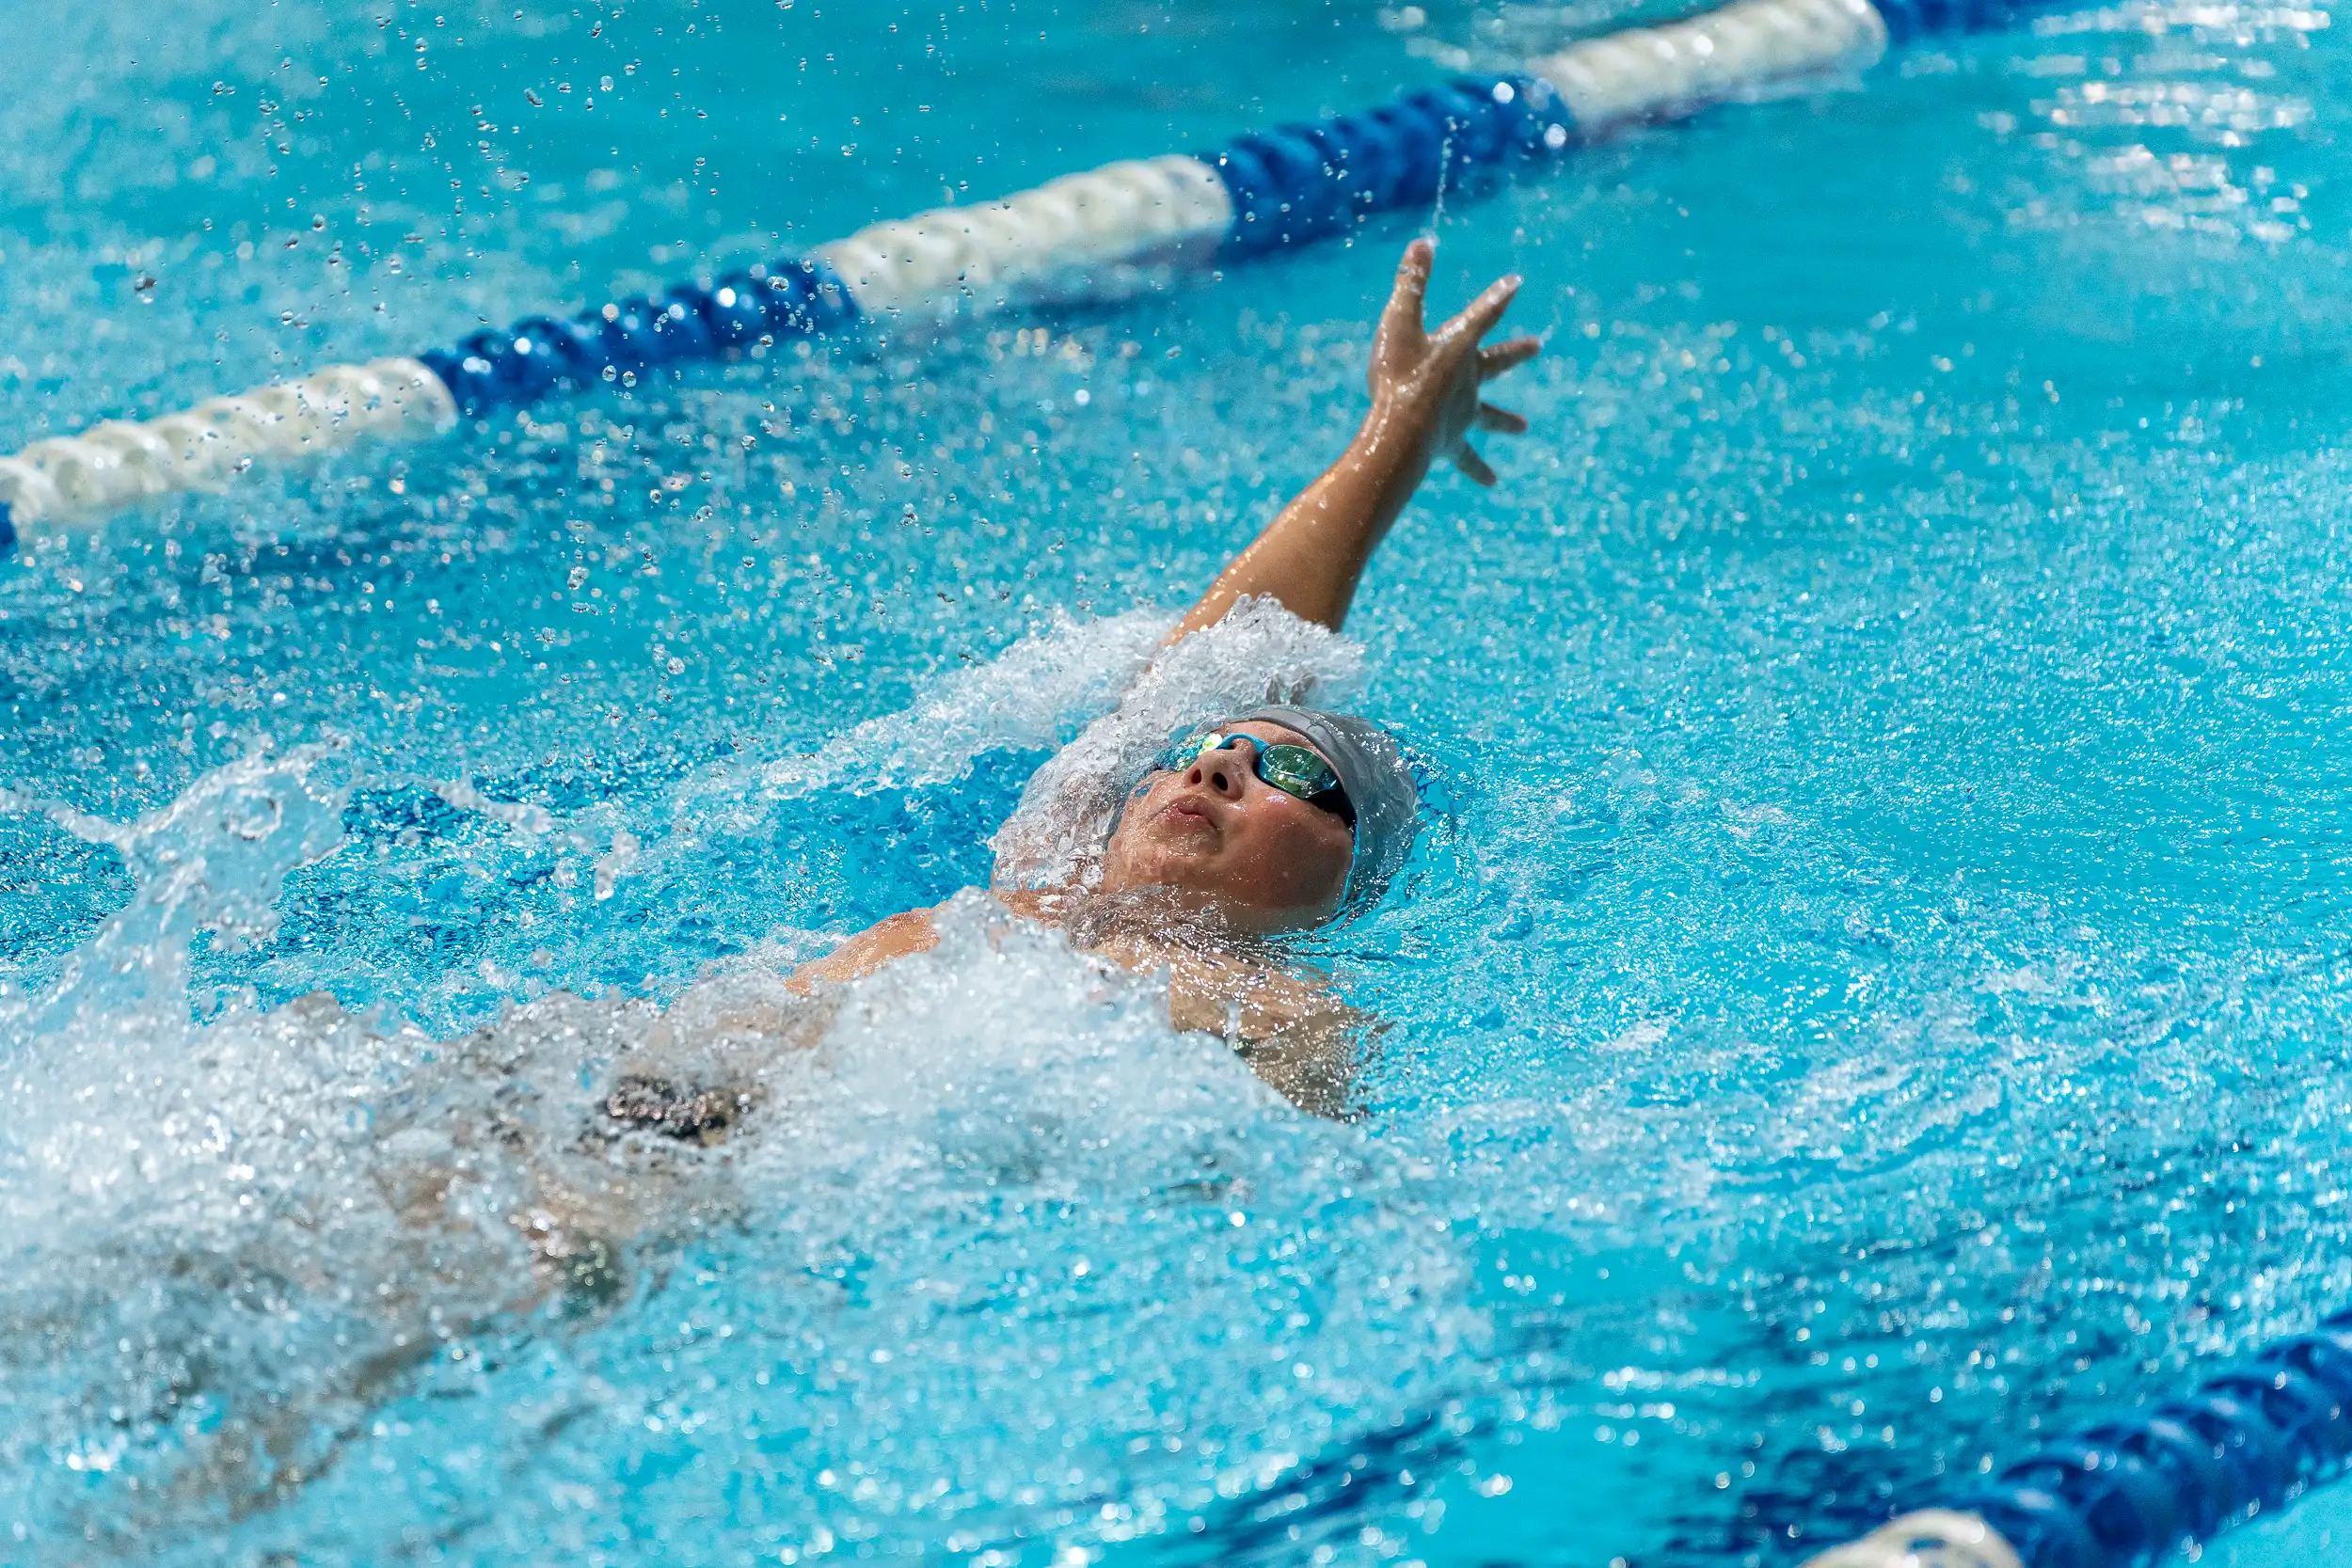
x=1223 y=839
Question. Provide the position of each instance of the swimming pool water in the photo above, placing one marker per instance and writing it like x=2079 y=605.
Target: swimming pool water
x=1881 y=990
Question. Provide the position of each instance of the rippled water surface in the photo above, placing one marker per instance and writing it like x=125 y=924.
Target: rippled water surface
x=1879 y=987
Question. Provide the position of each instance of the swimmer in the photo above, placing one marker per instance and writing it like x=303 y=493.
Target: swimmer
x=508 y=1174
x=1276 y=820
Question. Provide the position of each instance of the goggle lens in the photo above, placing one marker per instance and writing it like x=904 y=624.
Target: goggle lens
x=1295 y=771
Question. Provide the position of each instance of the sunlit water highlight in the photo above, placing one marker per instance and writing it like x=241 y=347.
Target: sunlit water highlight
x=1881 y=987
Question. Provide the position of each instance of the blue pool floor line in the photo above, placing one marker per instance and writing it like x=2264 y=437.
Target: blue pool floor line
x=1257 y=194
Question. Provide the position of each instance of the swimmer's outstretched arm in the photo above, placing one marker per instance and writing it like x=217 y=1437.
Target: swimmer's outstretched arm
x=1424 y=404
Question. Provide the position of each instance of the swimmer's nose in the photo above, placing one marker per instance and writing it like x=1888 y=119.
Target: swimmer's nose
x=1217 y=769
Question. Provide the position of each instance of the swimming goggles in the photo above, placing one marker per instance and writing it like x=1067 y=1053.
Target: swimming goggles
x=1293 y=770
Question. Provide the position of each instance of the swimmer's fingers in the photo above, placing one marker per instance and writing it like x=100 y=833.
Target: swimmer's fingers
x=1410 y=300
x=1501 y=356
x=1481 y=315
x=1472 y=466
x=1500 y=421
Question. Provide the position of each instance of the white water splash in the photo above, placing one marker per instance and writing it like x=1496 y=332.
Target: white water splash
x=1027 y=698
x=527 y=821
x=214 y=860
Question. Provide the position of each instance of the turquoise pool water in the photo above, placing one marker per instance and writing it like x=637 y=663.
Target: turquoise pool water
x=1880 y=989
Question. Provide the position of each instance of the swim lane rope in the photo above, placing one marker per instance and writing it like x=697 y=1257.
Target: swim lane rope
x=1257 y=194
x=2138 y=1488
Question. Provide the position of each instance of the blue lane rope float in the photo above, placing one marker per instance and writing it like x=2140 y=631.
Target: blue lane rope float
x=2134 y=1490
x=1256 y=195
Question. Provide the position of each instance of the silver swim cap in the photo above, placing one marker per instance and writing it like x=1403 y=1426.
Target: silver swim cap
x=1371 y=769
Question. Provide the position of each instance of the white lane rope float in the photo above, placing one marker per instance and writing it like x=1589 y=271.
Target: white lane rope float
x=1931 y=1538
x=119 y=462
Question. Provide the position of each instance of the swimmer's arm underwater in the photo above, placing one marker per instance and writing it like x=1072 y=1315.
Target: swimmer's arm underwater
x=1425 y=405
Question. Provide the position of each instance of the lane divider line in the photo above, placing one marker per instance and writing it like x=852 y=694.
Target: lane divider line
x=1081 y=235
x=2138 y=1488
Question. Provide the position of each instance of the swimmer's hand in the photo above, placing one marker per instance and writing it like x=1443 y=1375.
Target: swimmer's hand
x=1425 y=405
x=1425 y=384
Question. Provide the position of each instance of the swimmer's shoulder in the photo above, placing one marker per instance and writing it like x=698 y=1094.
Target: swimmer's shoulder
x=900 y=936
x=1291 y=1025
x=1303 y=1039
x=916 y=931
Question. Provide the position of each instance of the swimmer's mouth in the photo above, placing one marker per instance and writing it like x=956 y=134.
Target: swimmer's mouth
x=1187 y=812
